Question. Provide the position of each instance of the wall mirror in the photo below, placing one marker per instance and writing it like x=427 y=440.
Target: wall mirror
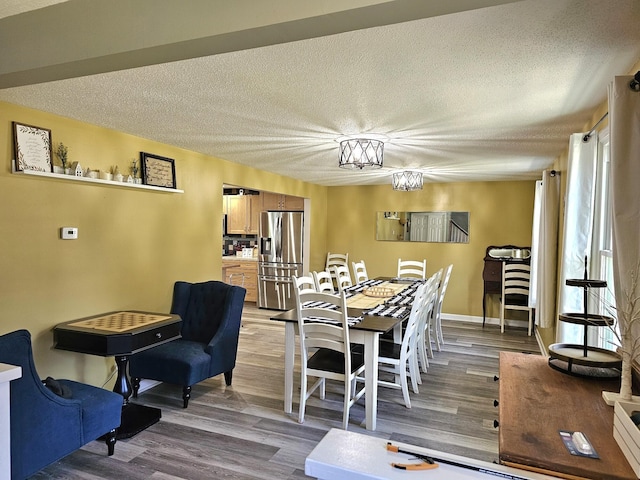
x=443 y=227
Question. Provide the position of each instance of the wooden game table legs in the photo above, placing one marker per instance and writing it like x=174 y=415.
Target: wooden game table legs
x=135 y=417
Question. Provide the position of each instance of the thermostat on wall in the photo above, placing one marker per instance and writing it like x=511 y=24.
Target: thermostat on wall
x=69 y=233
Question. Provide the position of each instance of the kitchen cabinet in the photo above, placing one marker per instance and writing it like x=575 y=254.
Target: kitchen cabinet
x=239 y=267
x=277 y=201
x=243 y=213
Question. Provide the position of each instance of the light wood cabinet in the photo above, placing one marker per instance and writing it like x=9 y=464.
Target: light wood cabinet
x=243 y=213
x=237 y=267
x=277 y=201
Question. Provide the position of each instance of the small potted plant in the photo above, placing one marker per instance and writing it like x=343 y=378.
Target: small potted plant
x=135 y=169
x=62 y=152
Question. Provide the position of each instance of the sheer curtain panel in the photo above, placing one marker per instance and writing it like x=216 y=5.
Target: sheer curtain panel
x=544 y=250
x=578 y=228
x=624 y=128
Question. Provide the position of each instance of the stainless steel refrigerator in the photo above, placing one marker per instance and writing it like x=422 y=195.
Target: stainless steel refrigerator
x=280 y=257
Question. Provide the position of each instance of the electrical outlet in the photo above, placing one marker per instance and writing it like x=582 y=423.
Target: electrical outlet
x=69 y=233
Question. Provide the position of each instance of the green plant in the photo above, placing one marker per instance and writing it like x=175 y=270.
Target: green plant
x=134 y=168
x=62 y=153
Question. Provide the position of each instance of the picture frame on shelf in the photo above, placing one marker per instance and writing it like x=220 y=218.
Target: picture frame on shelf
x=158 y=171
x=32 y=148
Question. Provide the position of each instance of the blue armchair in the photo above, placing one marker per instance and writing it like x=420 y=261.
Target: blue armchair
x=211 y=313
x=45 y=426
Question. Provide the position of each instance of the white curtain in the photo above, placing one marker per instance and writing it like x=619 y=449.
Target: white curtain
x=624 y=129
x=544 y=250
x=578 y=229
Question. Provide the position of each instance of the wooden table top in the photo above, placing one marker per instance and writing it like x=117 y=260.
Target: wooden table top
x=536 y=402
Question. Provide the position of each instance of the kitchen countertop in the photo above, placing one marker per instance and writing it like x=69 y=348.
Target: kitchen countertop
x=240 y=259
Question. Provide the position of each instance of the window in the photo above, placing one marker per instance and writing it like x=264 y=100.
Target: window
x=604 y=299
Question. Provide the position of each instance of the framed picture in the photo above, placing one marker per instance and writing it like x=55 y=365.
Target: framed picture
x=32 y=148
x=158 y=171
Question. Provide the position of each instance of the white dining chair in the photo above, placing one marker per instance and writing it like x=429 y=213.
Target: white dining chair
x=323 y=281
x=424 y=329
x=304 y=284
x=336 y=260
x=359 y=271
x=515 y=291
x=325 y=350
x=400 y=360
x=412 y=269
x=342 y=277
x=437 y=315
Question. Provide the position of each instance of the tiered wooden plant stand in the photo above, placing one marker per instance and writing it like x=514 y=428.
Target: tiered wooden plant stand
x=585 y=360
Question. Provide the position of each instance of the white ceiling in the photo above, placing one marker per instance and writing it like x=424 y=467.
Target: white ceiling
x=486 y=94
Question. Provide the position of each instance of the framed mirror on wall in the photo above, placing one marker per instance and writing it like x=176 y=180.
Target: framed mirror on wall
x=440 y=227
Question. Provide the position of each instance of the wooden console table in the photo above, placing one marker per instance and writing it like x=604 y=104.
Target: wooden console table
x=537 y=401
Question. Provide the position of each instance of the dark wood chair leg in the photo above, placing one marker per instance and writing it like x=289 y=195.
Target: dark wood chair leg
x=186 y=395
x=110 y=440
x=227 y=377
x=136 y=386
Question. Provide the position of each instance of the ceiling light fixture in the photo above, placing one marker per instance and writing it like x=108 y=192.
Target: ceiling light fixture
x=360 y=153
x=407 y=181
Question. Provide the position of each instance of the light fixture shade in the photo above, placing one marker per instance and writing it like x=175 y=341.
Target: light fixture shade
x=360 y=153
x=407 y=181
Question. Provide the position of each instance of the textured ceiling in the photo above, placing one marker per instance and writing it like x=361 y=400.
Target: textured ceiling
x=485 y=94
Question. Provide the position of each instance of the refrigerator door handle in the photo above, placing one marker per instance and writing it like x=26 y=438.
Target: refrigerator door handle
x=278 y=242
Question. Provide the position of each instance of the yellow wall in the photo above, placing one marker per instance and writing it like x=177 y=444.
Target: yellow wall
x=132 y=244
x=500 y=213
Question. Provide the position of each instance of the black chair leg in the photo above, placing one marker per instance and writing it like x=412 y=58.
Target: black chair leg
x=136 y=386
x=110 y=440
x=227 y=377
x=186 y=395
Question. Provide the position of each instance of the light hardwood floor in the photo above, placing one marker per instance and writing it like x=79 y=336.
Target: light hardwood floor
x=241 y=432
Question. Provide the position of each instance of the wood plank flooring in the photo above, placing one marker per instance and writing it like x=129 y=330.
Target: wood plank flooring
x=241 y=432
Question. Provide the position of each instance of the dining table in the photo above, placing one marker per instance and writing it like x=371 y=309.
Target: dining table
x=365 y=332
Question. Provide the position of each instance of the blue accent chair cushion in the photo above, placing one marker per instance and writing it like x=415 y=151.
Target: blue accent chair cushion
x=211 y=313
x=44 y=426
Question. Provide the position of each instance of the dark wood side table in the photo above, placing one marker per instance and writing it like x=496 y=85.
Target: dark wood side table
x=494 y=257
x=120 y=335
x=537 y=401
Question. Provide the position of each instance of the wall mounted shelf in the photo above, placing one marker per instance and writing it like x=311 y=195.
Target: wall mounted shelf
x=108 y=183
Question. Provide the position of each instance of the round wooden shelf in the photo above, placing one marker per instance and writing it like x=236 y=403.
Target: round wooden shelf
x=592 y=319
x=586 y=283
x=598 y=362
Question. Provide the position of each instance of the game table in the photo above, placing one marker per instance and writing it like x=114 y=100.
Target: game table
x=121 y=334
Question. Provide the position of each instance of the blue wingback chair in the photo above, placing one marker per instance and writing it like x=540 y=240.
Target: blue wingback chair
x=211 y=313
x=46 y=427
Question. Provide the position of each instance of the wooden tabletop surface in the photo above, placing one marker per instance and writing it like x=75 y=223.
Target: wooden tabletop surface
x=536 y=402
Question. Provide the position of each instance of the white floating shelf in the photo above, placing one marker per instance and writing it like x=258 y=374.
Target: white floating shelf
x=109 y=183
